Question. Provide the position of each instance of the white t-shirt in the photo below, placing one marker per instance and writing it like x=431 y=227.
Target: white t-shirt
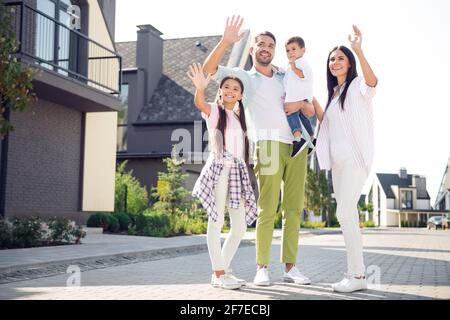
x=234 y=136
x=296 y=88
x=263 y=103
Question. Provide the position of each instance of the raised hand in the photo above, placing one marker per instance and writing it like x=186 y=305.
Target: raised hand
x=356 y=40
x=197 y=76
x=232 y=33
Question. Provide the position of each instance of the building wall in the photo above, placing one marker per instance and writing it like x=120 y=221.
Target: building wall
x=44 y=159
x=98 y=31
x=99 y=161
x=423 y=204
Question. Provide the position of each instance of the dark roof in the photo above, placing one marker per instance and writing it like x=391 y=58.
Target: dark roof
x=387 y=180
x=173 y=99
x=128 y=52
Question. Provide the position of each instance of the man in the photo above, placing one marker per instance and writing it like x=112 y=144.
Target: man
x=263 y=102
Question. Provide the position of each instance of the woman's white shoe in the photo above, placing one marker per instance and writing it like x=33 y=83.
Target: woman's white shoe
x=224 y=282
x=350 y=284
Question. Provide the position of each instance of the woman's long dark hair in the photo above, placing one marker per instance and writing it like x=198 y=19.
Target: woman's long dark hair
x=332 y=82
x=222 y=123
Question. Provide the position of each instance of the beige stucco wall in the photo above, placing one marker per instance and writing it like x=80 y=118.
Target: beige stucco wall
x=99 y=161
x=98 y=31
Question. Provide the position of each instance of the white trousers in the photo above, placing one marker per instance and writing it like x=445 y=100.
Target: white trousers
x=348 y=182
x=221 y=256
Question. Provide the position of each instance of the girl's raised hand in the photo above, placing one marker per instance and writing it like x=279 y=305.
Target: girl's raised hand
x=232 y=33
x=197 y=76
x=356 y=40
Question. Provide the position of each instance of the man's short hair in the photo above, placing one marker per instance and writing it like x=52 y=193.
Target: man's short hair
x=297 y=40
x=265 y=33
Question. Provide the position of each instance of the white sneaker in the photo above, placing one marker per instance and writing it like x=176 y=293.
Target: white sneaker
x=350 y=284
x=262 y=277
x=295 y=276
x=242 y=282
x=224 y=282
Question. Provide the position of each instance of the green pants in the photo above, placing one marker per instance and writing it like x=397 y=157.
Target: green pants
x=275 y=170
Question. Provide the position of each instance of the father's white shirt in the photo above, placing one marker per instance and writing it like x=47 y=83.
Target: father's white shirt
x=263 y=102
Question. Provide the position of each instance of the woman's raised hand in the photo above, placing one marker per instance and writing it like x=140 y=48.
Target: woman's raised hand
x=356 y=40
x=197 y=76
x=232 y=33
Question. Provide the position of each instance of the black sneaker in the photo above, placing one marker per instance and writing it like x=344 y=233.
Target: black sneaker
x=310 y=150
x=299 y=146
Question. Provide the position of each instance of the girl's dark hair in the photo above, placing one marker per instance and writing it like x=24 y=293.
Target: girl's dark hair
x=332 y=80
x=222 y=122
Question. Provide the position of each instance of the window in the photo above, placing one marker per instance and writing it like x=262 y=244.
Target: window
x=122 y=120
x=406 y=199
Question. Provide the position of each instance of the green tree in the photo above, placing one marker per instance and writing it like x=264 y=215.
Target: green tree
x=16 y=79
x=129 y=195
x=170 y=192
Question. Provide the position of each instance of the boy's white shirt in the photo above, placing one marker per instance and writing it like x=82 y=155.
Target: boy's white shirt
x=296 y=88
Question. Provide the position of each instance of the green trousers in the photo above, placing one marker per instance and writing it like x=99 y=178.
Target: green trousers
x=276 y=171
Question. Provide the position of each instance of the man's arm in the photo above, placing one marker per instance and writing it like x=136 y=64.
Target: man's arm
x=231 y=35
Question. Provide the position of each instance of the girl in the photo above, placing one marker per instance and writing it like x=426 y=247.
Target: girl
x=345 y=146
x=224 y=180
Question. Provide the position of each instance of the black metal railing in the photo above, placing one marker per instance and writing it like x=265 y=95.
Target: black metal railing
x=53 y=45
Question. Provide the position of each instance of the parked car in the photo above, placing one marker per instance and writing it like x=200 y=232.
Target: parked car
x=435 y=222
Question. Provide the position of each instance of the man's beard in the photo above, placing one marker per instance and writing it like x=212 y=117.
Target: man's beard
x=264 y=63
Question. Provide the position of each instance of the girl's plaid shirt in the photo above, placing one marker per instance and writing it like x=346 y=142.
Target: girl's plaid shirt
x=239 y=187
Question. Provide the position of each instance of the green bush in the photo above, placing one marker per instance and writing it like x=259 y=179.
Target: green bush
x=312 y=225
x=27 y=232
x=124 y=220
x=64 y=230
x=368 y=224
x=98 y=220
x=6 y=236
x=157 y=224
x=113 y=222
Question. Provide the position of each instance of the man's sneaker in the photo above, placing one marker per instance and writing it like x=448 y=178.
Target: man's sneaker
x=350 y=284
x=295 y=276
x=298 y=146
x=224 y=282
x=312 y=146
x=262 y=277
x=242 y=282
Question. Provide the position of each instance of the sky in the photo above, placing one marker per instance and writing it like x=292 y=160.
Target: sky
x=407 y=43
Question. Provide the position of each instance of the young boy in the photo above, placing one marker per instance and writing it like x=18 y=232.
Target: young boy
x=298 y=86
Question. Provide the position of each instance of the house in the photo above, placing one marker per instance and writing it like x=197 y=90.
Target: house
x=158 y=98
x=60 y=159
x=397 y=198
x=443 y=197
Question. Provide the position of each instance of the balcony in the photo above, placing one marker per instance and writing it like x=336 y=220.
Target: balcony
x=68 y=56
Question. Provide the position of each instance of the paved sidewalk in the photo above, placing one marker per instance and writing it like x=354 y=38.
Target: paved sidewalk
x=409 y=264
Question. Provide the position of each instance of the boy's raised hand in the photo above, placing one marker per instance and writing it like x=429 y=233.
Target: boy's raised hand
x=197 y=76
x=356 y=40
x=232 y=33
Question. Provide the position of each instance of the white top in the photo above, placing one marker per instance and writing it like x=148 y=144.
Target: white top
x=296 y=88
x=340 y=147
x=263 y=102
x=234 y=136
x=357 y=121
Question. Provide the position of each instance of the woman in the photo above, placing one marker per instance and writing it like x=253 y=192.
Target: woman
x=345 y=146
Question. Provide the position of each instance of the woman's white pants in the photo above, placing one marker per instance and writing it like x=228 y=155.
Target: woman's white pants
x=348 y=182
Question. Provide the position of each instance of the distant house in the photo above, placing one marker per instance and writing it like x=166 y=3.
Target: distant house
x=158 y=100
x=399 y=197
x=443 y=197
x=60 y=159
